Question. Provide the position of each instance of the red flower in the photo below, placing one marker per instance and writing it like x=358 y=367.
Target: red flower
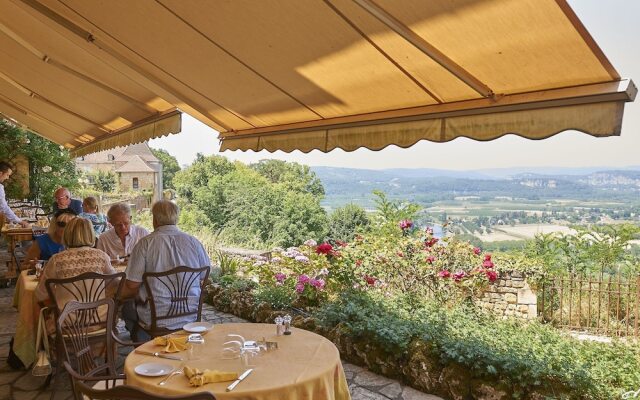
x=487 y=261
x=405 y=224
x=400 y=254
x=430 y=242
x=458 y=276
x=444 y=274
x=431 y=259
x=370 y=280
x=358 y=263
x=341 y=243
x=477 y=251
x=492 y=275
x=487 y=257
x=324 y=248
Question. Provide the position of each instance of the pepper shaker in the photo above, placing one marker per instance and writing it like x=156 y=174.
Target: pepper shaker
x=287 y=324
x=279 y=327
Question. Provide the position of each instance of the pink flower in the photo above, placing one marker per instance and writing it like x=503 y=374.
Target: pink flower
x=429 y=230
x=400 y=254
x=302 y=279
x=358 y=263
x=405 y=224
x=477 y=251
x=300 y=287
x=458 y=276
x=431 y=259
x=444 y=274
x=280 y=277
x=492 y=275
x=341 y=243
x=487 y=263
x=324 y=248
x=317 y=283
x=430 y=242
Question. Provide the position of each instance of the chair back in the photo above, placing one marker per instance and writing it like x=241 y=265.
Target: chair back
x=79 y=328
x=85 y=288
x=126 y=392
x=173 y=297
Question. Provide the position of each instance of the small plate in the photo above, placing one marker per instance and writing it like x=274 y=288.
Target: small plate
x=153 y=369
x=197 y=327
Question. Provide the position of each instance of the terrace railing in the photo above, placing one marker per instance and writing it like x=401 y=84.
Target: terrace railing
x=607 y=304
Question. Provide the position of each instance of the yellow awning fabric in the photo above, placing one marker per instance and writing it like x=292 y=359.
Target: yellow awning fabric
x=51 y=84
x=325 y=74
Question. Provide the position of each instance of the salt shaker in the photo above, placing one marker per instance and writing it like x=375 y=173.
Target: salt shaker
x=287 y=324
x=279 y=327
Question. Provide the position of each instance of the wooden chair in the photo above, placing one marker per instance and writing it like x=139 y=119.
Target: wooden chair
x=177 y=283
x=126 y=392
x=86 y=288
x=78 y=326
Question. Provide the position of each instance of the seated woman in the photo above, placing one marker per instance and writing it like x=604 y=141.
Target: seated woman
x=90 y=212
x=78 y=258
x=44 y=246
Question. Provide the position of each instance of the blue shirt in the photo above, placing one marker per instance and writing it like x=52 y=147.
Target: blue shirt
x=47 y=246
x=76 y=206
x=97 y=220
x=164 y=249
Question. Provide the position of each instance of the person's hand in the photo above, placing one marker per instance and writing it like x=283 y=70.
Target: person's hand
x=25 y=224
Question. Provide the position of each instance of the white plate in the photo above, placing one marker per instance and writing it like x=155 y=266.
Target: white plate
x=153 y=369
x=197 y=327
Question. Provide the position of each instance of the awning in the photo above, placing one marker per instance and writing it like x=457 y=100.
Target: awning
x=326 y=74
x=51 y=84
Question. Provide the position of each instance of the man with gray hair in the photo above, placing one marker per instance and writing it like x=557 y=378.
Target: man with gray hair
x=164 y=249
x=120 y=240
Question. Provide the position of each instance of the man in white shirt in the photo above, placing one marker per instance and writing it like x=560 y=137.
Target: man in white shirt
x=5 y=172
x=120 y=240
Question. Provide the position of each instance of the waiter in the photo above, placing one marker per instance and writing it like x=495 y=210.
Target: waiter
x=5 y=173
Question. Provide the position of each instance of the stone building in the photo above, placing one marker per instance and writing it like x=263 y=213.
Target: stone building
x=136 y=167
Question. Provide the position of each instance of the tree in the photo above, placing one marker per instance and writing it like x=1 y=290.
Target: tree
x=292 y=175
x=345 y=222
x=50 y=165
x=169 y=167
x=104 y=181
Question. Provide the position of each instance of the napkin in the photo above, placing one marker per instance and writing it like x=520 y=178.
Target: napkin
x=172 y=344
x=199 y=378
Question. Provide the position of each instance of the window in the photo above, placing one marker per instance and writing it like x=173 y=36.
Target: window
x=111 y=157
x=134 y=184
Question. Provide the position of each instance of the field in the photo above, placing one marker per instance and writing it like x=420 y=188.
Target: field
x=522 y=232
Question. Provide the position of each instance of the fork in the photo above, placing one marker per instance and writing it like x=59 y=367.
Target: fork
x=178 y=371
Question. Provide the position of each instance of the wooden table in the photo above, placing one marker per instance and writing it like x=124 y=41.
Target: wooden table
x=305 y=366
x=13 y=236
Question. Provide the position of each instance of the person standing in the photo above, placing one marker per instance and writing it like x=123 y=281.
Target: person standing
x=6 y=170
x=120 y=240
x=164 y=249
x=64 y=201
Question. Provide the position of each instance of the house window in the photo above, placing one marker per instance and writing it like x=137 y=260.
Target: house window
x=135 y=183
x=111 y=157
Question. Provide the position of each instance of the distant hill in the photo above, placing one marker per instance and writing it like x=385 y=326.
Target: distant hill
x=345 y=185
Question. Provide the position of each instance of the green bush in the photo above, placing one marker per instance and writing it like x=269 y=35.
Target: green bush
x=278 y=297
x=523 y=356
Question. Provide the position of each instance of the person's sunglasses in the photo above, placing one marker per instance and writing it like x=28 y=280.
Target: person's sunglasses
x=61 y=224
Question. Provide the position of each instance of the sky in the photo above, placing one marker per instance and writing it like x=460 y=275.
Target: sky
x=614 y=26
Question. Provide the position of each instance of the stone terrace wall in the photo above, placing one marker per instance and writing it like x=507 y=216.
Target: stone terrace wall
x=510 y=296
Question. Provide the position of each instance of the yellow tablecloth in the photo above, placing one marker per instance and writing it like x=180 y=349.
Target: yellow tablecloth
x=305 y=366
x=24 y=300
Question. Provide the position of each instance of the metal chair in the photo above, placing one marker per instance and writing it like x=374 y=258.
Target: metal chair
x=126 y=392
x=178 y=302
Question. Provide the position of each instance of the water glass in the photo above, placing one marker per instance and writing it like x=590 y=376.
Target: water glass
x=197 y=346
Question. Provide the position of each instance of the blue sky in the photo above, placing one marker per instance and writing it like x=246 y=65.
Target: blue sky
x=614 y=26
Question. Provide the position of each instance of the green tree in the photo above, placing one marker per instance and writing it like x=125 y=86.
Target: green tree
x=50 y=165
x=170 y=167
x=345 y=222
x=292 y=175
x=104 y=181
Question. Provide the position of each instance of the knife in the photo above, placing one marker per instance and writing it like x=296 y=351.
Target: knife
x=156 y=354
x=240 y=378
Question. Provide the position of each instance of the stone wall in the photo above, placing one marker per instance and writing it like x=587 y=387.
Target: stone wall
x=510 y=296
x=146 y=180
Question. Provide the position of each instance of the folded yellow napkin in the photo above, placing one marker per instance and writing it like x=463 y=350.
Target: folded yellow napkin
x=172 y=344
x=199 y=378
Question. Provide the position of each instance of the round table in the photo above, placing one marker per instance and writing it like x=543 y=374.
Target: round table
x=305 y=366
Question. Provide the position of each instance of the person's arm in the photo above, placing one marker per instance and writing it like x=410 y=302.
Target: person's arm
x=8 y=212
x=130 y=289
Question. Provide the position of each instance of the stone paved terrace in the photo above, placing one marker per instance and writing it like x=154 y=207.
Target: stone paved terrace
x=21 y=385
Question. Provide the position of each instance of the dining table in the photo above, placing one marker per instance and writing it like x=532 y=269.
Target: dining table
x=13 y=235
x=305 y=365
x=26 y=304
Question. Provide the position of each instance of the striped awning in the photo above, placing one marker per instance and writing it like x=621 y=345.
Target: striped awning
x=325 y=74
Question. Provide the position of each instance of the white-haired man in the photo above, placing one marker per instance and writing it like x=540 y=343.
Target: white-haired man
x=120 y=240
x=164 y=249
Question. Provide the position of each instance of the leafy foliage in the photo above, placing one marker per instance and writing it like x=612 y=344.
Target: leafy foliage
x=170 y=167
x=345 y=222
x=50 y=165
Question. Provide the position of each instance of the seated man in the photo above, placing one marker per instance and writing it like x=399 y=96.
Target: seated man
x=121 y=239
x=63 y=201
x=164 y=249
